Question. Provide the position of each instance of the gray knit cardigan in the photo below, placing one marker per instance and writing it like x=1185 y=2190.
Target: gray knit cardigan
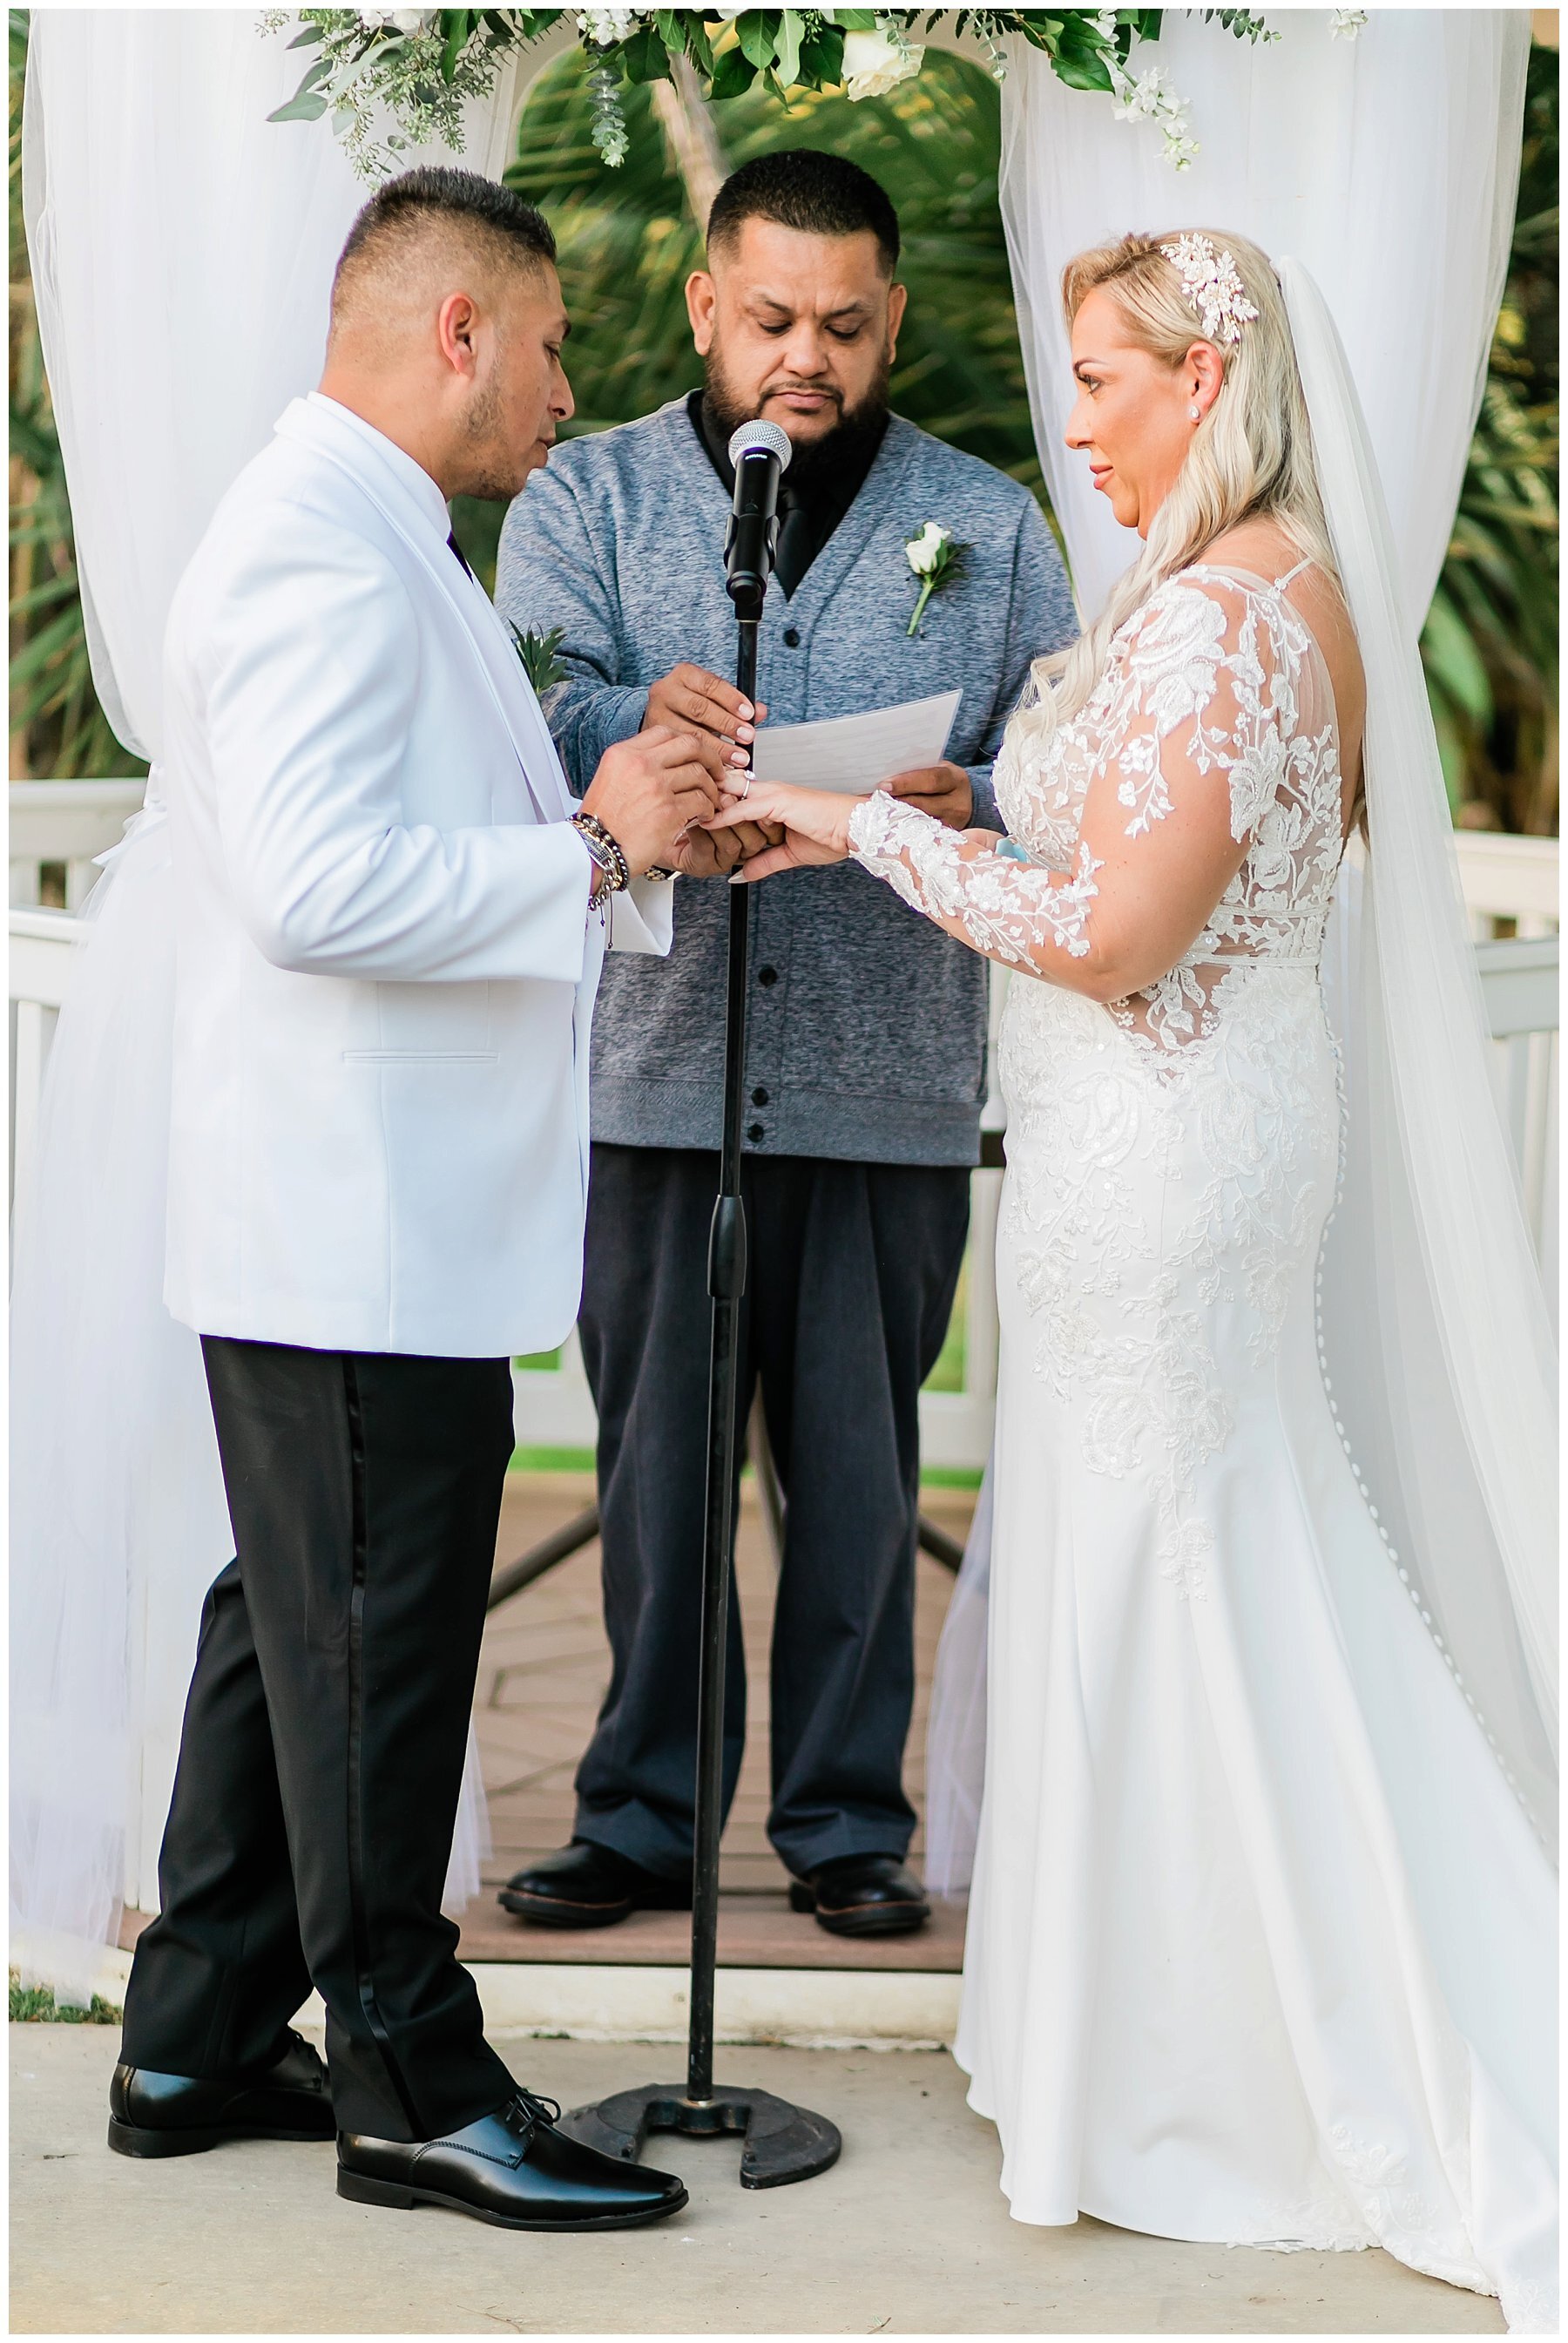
x=867 y=1024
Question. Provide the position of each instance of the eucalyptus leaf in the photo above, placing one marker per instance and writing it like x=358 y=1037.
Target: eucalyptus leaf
x=304 y=107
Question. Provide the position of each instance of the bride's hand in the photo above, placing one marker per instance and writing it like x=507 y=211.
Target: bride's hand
x=816 y=824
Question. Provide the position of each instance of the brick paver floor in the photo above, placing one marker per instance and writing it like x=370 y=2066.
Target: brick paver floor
x=545 y=1667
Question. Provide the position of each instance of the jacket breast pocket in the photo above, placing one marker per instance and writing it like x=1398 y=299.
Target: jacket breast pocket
x=430 y=1020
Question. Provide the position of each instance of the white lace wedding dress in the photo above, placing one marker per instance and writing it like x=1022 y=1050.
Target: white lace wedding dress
x=1261 y=1939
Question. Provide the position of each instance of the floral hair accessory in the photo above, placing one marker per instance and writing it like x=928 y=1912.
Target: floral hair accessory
x=1211 y=286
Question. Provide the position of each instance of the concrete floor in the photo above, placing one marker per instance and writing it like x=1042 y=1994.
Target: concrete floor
x=907 y=2235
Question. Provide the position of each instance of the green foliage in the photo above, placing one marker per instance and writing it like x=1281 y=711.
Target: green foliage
x=1489 y=643
x=56 y=723
x=540 y=656
x=627 y=244
x=35 y=2005
x=365 y=72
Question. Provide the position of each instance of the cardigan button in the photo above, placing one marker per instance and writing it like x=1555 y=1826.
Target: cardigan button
x=754 y=1130
x=793 y=636
x=767 y=976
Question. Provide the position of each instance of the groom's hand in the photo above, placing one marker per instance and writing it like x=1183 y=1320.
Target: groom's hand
x=944 y=790
x=689 y=699
x=715 y=854
x=647 y=789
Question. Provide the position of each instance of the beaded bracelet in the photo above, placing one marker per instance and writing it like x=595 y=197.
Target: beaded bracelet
x=606 y=854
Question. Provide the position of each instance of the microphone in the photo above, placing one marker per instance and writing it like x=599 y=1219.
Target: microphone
x=760 y=452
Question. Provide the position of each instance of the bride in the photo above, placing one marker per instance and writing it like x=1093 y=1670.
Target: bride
x=1260 y=1938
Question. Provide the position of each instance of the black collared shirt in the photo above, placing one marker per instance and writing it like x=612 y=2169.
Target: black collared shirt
x=807 y=515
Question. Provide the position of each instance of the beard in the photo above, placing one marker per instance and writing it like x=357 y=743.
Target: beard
x=853 y=439
x=491 y=463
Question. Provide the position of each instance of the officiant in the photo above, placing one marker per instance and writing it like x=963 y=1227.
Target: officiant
x=865 y=1068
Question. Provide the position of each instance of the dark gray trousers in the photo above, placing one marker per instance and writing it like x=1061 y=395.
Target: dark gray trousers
x=853 y=1269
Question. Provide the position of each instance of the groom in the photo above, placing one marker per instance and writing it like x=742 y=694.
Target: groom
x=392 y=924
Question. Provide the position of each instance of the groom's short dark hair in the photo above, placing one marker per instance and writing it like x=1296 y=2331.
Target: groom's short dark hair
x=820 y=194
x=399 y=215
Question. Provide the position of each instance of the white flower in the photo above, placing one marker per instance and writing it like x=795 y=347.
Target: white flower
x=1150 y=94
x=400 y=20
x=1151 y=98
x=1346 y=23
x=605 y=27
x=873 y=65
x=925 y=551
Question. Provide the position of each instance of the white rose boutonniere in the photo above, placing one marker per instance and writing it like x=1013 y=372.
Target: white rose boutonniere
x=935 y=559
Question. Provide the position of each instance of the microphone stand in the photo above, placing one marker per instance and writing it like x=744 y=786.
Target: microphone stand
x=783 y=2142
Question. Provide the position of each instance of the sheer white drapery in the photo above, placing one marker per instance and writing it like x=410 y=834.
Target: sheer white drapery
x=1388 y=166
x=182 y=250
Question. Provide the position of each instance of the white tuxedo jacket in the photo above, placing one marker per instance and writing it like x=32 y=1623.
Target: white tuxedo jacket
x=386 y=960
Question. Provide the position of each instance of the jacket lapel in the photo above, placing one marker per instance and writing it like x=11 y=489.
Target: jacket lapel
x=350 y=453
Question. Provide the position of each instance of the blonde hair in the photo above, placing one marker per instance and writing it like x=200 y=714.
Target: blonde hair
x=1252 y=454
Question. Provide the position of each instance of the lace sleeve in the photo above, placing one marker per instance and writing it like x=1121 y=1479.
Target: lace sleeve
x=1195 y=745
x=1000 y=903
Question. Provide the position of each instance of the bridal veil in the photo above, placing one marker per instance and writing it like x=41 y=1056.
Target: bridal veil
x=1437 y=1350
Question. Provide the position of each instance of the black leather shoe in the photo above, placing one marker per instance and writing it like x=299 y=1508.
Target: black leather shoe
x=863 y=1896
x=180 y=2115
x=586 y=1887
x=512 y=2167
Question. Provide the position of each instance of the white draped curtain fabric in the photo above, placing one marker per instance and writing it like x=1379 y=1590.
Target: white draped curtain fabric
x=182 y=249
x=1387 y=164
x=1386 y=167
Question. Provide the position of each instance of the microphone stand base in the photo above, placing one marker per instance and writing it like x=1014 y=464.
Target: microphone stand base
x=783 y=2143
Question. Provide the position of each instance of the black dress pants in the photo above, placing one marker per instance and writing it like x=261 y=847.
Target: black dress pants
x=322 y=1752
x=852 y=1272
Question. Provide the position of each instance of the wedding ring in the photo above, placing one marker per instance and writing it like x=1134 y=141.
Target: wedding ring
x=747 y=791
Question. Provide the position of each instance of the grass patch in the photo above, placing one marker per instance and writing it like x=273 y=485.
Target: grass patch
x=552 y=1460
x=35 y=2005
x=947 y=1374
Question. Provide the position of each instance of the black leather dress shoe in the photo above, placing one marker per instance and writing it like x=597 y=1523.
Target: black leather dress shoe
x=180 y=2115
x=586 y=1887
x=863 y=1896
x=512 y=2167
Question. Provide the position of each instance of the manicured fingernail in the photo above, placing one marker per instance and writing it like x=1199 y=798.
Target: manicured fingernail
x=746 y=709
x=744 y=733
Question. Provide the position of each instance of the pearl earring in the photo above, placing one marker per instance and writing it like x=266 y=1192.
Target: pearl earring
x=1195 y=412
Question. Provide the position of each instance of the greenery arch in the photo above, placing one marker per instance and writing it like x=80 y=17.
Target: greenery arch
x=628 y=241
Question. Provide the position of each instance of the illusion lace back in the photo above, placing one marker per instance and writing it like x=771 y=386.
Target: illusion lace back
x=1226 y=661
x=1259 y=1939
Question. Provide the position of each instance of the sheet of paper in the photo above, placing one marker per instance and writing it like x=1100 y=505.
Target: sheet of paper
x=853 y=753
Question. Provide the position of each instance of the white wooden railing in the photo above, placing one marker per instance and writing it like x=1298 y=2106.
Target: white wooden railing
x=66 y=822
x=1505 y=879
